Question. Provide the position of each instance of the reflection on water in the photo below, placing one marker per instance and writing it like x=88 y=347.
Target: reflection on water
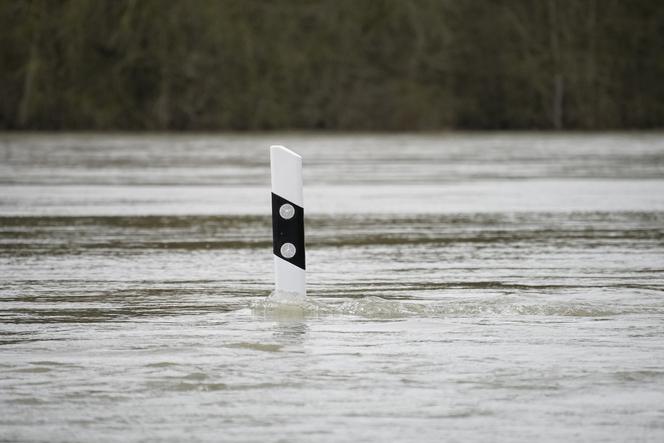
x=464 y=286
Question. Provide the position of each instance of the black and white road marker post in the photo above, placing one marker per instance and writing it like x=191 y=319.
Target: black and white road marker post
x=287 y=220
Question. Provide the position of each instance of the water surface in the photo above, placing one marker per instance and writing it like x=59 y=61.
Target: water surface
x=461 y=287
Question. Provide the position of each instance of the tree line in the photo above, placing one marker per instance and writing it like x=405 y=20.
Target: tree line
x=331 y=64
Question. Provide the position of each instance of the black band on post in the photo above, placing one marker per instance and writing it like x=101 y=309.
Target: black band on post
x=288 y=230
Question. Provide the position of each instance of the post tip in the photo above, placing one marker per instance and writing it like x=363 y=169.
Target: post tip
x=279 y=149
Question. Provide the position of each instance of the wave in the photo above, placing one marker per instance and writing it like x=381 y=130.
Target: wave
x=280 y=304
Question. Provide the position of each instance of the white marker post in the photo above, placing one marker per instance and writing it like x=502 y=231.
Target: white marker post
x=287 y=221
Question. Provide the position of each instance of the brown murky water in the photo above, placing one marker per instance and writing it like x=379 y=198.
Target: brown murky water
x=462 y=287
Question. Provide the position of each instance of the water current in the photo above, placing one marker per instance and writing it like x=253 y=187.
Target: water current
x=461 y=287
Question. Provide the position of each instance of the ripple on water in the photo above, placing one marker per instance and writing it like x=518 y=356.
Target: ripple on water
x=287 y=305
x=265 y=347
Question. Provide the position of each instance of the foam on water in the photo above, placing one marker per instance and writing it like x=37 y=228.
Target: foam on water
x=372 y=307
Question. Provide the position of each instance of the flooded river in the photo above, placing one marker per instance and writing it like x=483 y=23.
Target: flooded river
x=495 y=287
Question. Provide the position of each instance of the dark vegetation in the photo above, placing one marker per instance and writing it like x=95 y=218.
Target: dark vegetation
x=336 y=64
